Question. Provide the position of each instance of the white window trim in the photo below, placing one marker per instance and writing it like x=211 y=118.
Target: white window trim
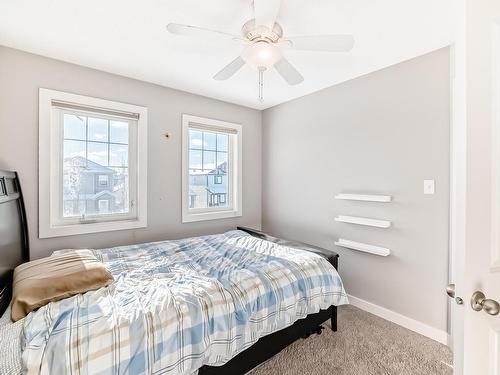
x=56 y=203
x=47 y=175
x=235 y=157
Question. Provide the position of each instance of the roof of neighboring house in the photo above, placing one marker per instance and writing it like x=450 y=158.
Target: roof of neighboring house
x=221 y=169
x=89 y=197
x=88 y=165
x=217 y=190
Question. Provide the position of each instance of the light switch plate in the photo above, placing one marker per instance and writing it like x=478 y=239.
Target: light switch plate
x=429 y=187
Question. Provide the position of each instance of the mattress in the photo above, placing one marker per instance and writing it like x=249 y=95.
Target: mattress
x=178 y=305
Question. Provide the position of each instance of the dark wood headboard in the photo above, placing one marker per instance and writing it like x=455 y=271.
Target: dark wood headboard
x=14 y=246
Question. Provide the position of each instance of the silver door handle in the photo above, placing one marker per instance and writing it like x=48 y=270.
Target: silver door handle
x=479 y=302
x=450 y=290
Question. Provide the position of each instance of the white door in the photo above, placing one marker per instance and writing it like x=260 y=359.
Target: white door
x=476 y=192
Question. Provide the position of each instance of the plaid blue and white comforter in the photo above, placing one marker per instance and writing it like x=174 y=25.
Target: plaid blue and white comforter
x=178 y=305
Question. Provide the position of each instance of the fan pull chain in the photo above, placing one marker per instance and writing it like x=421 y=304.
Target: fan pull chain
x=261 y=83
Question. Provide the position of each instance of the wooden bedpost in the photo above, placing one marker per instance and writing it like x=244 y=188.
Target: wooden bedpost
x=333 y=319
x=334 y=260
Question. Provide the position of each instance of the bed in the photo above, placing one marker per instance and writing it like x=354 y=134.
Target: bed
x=217 y=304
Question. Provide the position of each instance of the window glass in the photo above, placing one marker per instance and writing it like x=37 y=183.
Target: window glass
x=118 y=155
x=209 y=141
x=75 y=127
x=222 y=142
x=195 y=139
x=98 y=153
x=222 y=160
x=95 y=166
x=118 y=132
x=103 y=180
x=208 y=160
x=195 y=159
x=103 y=206
x=98 y=129
x=208 y=169
x=120 y=181
x=74 y=148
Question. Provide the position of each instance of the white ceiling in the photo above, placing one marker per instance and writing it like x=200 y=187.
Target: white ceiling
x=128 y=37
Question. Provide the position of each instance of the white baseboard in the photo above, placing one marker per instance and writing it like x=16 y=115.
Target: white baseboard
x=409 y=323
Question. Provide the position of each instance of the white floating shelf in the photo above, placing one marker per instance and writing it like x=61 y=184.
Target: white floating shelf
x=363 y=221
x=363 y=247
x=364 y=197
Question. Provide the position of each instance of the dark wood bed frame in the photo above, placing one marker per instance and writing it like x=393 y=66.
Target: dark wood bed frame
x=14 y=246
x=14 y=250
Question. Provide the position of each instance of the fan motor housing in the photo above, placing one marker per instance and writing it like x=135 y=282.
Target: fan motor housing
x=254 y=33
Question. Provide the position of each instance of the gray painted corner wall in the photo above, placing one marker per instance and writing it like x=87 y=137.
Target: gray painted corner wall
x=381 y=133
x=22 y=74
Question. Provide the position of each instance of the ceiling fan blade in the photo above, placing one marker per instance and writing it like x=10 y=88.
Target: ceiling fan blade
x=230 y=69
x=329 y=43
x=188 y=30
x=266 y=12
x=288 y=72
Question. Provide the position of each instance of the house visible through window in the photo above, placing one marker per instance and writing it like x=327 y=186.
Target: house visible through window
x=208 y=167
x=95 y=148
x=97 y=152
x=212 y=187
x=103 y=205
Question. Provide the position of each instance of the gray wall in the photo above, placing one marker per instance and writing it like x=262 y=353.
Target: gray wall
x=382 y=133
x=21 y=74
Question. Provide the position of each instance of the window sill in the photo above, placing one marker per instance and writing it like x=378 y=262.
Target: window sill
x=188 y=217
x=75 y=229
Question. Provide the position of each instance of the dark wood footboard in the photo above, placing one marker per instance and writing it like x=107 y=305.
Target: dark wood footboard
x=272 y=344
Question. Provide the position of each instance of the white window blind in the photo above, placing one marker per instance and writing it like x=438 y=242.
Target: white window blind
x=96 y=110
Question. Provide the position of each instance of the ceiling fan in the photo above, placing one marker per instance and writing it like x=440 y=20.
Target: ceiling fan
x=264 y=44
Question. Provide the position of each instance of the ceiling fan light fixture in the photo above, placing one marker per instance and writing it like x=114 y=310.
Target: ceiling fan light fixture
x=265 y=42
x=262 y=55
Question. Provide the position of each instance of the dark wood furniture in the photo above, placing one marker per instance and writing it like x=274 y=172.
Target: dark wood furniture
x=14 y=250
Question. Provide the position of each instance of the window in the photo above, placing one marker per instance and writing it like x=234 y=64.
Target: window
x=103 y=180
x=92 y=165
x=211 y=164
x=103 y=206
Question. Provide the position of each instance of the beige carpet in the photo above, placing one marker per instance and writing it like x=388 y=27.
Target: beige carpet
x=364 y=344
